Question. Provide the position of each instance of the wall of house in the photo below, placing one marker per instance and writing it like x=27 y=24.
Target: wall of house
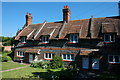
x=105 y=49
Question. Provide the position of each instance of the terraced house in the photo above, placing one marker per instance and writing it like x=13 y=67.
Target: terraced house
x=91 y=44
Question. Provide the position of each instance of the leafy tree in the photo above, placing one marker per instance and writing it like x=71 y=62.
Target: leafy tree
x=7 y=41
x=57 y=62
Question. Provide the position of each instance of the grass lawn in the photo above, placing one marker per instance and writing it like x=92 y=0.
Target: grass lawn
x=10 y=65
x=26 y=72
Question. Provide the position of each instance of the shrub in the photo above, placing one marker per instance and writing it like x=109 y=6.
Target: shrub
x=35 y=64
x=4 y=59
x=41 y=64
x=9 y=58
x=56 y=62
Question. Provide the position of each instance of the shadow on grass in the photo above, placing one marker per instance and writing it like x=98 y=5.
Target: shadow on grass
x=56 y=75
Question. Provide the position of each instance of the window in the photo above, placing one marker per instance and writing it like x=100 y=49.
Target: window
x=48 y=55
x=113 y=59
x=23 y=39
x=109 y=37
x=45 y=39
x=74 y=38
x=68 y=57
x=21 y=54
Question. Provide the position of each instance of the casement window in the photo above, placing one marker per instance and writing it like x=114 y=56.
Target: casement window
x=23 y=39
x=45 y=39
x=109 y=37
x=68 y=57
x=21 y=54
x=73 y=38
x=48 y=55
x=113 y=59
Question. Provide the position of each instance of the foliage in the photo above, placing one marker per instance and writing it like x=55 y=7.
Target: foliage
x=56 y=62
x=4 y=59
x=7 y=41
x=41 y=64
x=5 y=56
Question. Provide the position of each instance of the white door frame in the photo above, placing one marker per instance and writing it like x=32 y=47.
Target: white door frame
x=85 y=62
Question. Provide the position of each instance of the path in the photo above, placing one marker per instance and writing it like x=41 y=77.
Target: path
x=14 y=69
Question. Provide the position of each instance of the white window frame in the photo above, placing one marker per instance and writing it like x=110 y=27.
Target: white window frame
x=21 y=54
x=45 y=38
x=67 y=57
x=23 y=39
x=48 y=55
x=113 y=59
x=72 y=36
x=109 y=37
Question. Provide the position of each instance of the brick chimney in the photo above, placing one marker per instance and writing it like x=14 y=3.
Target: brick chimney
x=66 y=14
x=28 y=18
x=119 y=8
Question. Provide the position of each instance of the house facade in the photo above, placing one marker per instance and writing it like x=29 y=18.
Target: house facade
x=91 y=44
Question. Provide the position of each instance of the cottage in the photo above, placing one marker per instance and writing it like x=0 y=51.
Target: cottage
x=91 y=44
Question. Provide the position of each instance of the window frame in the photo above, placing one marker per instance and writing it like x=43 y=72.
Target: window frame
x=70 y=57
x=73 y=38
x=48 y=55
x=114 y=60
x=23 y=39
x=109 y=37
x=19 y=54
x=45 y=39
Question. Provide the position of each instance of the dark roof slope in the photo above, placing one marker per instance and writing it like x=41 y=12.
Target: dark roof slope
x=59 y=30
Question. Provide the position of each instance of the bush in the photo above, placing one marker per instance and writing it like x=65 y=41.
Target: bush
x=4 y=59
x=56 y=62
x=9 y=58
x=35 y=64
x=41 y=64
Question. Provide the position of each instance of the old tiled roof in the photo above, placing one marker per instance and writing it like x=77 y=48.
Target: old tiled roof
x=47 y=50
x=59 y=30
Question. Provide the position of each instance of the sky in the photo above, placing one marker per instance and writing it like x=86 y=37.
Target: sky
x=13 y=13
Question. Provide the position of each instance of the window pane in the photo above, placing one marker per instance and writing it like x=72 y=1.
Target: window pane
x=106 y=37
x=47 y=39
x=49 y=55
x=76 y=38
x=53 y=55
x=72 y=56
x=64 y=56
x=116 y=58
x=46 y=55
x=112 y=37
x=71 y=38
x=111 y=58
x=68 y=56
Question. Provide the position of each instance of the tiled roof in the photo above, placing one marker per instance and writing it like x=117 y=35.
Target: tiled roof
x=59 y=30
x=47 y=50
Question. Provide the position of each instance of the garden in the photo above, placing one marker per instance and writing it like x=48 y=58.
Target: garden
x=47 y=70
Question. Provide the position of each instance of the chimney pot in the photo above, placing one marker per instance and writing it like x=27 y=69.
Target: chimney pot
x=28 y=18
x=66 y=14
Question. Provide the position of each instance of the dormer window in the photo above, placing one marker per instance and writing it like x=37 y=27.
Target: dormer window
x=73 y=38
x=23 y=39
x=109 y=37
x=45 y=39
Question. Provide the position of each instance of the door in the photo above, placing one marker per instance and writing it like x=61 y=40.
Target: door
x=95 y=63
x=30 y=58
x=85 y=62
